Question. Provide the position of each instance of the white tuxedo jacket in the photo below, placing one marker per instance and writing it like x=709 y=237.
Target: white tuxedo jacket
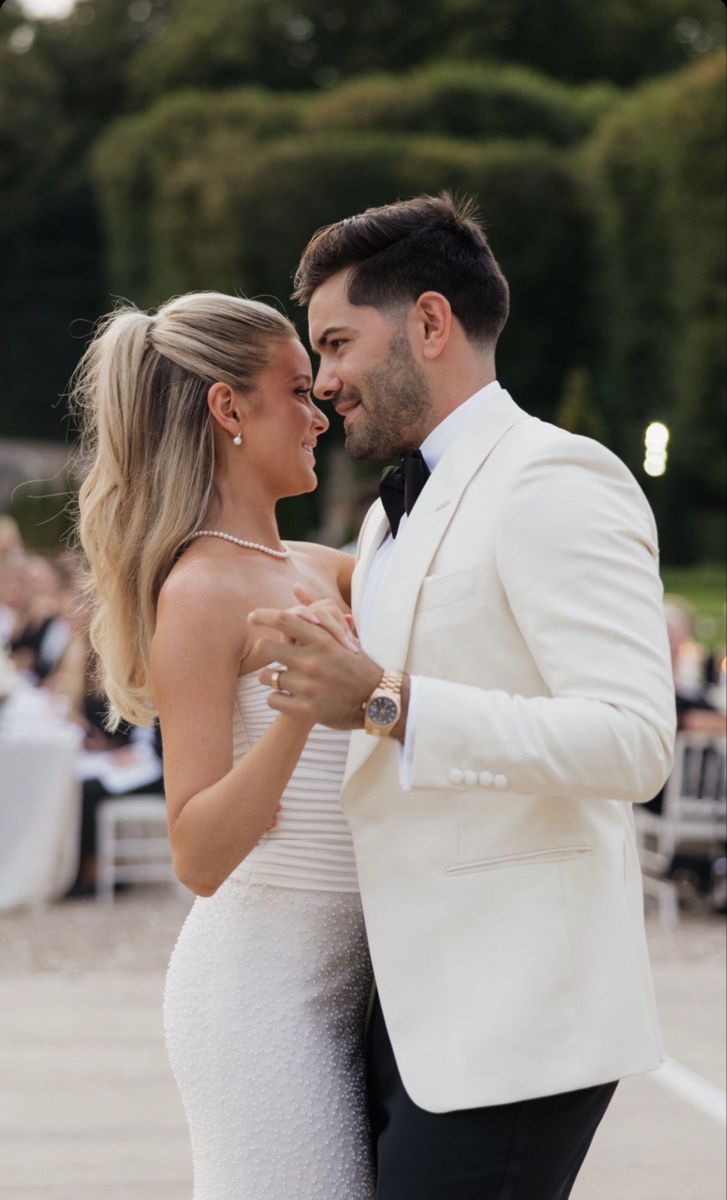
x=502 y=892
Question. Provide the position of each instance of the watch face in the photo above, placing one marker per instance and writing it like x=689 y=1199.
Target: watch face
x=382 y=711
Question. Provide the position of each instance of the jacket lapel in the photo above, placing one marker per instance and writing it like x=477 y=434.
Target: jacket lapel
x=373 y=532
x=391 y=623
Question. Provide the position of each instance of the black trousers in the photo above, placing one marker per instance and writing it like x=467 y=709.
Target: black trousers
x=531 y=1150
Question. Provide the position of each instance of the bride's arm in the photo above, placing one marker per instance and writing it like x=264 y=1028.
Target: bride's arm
x=217 y=812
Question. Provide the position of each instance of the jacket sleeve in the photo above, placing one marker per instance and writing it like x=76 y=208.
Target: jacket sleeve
x=577 y=558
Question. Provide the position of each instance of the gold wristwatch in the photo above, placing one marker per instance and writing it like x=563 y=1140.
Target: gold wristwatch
x=382 y=710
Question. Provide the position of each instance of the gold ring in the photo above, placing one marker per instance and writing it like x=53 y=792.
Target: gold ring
x=275 y=680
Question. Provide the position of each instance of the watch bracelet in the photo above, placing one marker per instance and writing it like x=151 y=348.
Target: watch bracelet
x=391 y=681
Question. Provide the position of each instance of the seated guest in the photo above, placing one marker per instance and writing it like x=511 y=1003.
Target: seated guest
x=122 y=763
x=125 y=764
x=695 y=714
x=110 y=764
x=694 y=710
x=40 y=633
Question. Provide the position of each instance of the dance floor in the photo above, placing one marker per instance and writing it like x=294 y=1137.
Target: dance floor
x=89 y=1110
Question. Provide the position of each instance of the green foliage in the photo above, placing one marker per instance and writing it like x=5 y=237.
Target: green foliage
x=694 y=214
x=222 y=134
x=308 y=44
x=60 y=82
x=463 y=100
x=32 y=139
x=91 y=50
x=704 y=587
x=577 y=410
x=50 y=295
x=622 y=41
x=229 y=211
x=658 y=168
x=151 y=168
x=537 y=219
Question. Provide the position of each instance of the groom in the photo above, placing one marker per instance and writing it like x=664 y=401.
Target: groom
x=513 y=697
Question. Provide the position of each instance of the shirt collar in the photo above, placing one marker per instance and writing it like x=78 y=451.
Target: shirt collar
x=435 y=445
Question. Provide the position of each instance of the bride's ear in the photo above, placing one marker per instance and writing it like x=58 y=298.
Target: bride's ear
x=226 y=408
x=432 y=323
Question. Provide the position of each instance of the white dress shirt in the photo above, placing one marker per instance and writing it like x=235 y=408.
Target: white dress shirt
x=433 y=449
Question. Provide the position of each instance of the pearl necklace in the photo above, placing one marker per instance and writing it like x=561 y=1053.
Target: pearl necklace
x=227 y=537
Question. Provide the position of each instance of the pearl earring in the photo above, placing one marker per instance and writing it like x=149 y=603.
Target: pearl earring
x=237 y=439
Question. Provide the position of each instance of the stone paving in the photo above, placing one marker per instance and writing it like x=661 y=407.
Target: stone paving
x=89 y=1109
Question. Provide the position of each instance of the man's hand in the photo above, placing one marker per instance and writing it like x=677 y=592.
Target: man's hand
x=323 y=681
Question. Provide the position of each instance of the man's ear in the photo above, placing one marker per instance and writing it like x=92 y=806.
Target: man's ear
x=225 y=407
x=432 y=319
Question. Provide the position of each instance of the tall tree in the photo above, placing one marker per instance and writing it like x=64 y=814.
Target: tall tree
x=298 y=44
x=61 y=83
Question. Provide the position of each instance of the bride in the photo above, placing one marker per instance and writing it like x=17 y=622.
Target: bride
x=196 y=421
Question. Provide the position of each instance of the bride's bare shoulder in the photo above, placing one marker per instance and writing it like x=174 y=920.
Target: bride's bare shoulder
x=202 y=600
x=201 y=633
x=201 y=578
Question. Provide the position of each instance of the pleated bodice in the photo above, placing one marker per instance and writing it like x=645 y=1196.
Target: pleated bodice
x=311 y=845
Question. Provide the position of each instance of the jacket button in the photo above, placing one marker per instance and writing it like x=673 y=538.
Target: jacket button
x=455 y=775
x=500 y=782
x=470 y=778
x=486 y=778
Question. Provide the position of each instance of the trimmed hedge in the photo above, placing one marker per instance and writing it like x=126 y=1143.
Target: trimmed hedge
x=658 y=165
x=223 y=190
x=464 y=100
x=221 y=209
x=146 y=166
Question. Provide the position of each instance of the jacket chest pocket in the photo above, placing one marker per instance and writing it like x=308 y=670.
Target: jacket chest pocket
x=438 y=591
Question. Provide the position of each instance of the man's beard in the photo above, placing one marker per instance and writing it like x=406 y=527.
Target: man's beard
x=397 y=413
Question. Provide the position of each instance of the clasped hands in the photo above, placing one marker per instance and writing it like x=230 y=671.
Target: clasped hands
x=325 y=677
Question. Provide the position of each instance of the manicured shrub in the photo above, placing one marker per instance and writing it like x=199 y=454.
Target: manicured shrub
x=462 y=100
x=225 y=210
x=658 y=169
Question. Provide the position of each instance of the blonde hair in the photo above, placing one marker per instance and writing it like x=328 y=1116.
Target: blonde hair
x=147 y=450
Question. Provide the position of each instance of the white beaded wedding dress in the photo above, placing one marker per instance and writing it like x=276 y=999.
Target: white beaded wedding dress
x=266 y=999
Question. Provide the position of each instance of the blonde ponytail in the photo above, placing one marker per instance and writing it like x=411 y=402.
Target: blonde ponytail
x=147 y=450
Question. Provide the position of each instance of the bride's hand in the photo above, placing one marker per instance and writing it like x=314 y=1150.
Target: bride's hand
x=328 y=615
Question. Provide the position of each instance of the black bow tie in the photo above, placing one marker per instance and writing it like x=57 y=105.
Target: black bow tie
x=399 y=487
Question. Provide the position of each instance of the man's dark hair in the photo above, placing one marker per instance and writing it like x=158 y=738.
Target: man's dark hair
x=398 y=251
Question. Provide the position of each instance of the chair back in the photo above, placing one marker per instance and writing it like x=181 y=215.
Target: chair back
x=695 y=796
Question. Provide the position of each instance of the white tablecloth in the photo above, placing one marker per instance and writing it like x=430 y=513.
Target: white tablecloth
x=40 y=811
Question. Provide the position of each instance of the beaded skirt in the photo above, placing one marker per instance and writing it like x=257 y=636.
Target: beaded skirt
x=264 y=1011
